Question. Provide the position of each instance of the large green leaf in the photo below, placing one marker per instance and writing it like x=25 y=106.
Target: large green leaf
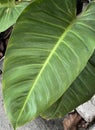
x=79 y=92
x=9 y=12
x=48 y=49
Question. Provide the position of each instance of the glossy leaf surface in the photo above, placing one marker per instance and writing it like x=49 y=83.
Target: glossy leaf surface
x=48 y=49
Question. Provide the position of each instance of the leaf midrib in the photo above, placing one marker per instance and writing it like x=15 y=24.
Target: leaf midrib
x=44 y=66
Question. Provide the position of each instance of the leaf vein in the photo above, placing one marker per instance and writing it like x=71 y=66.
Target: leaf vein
x=61 y=9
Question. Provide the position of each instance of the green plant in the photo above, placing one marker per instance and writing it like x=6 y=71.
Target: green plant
x=49 y=68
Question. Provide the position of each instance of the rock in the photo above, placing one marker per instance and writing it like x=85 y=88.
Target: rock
x=87 y=110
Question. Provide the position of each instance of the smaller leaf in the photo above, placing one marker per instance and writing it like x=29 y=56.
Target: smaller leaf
x=9 y=13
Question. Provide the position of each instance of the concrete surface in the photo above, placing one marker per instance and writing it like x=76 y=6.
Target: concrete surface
x=87 y=110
